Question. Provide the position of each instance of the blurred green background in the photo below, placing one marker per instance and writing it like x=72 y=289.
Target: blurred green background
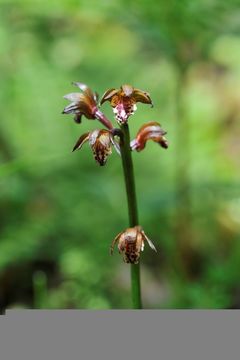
x=60 y=211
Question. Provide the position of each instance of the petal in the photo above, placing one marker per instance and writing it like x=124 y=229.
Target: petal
x=116 y=239
x=74 y=97
x=93 y=136
x=87 y=91
x=101 y=154
x=134 y=144
x=81 y=86
x=142 y=96
x=71 y=108
x=78 y=118
x=153 y=127
x=116 y=145
x=83 y=138
x=149 y=241
x=127 y=90
x=163 y=142
x=105 y=138
x=96 y=96
x=108 y=95
x=100 y=143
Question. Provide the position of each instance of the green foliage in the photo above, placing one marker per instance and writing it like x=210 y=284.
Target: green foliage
x=60 y=211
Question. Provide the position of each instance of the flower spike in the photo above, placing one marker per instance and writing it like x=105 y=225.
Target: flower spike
x=123 y=101
x=131 y=243
x=149 y=131
x=101 y=142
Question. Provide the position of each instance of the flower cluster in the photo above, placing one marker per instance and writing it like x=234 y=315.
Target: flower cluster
x=124 y=103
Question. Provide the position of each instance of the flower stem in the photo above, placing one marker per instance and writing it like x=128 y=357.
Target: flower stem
x=132 y=209
x=104 y=120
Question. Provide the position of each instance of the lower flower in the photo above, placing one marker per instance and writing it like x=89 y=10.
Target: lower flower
x=101 y=142
x=131 y=243
x=149 y=131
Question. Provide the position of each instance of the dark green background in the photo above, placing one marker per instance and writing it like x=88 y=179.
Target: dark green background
x=60 y=211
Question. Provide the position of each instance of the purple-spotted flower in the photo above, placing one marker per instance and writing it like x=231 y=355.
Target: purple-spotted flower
x=131 y=243
x=101 y=142
x=123 y=101
x=149 y=131
x=85 y=103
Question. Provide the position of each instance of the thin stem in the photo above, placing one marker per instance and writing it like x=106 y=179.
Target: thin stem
x=132 y=209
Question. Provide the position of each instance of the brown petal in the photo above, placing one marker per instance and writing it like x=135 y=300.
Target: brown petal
x=108 y=95
x=163 y=142
x=87 y=108
x=115 y=240
x=78 y=118
x=83 y=138
x=142 y=96
x=87 y=92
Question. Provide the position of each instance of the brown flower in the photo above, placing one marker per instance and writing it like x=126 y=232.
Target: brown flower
x=101 y=142
x=149 y=131
x=85 y=103
x=131 y=243
x=123 y=101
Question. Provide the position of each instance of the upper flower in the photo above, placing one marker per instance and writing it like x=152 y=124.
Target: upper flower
x=149 y=131
x=131 y=243
x=84 y=103
x=101 y=142
x=123 y=101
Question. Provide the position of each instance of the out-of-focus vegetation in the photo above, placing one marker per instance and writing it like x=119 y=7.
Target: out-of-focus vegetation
x=60 y=211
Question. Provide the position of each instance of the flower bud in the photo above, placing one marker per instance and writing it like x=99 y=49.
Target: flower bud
x=131 y=243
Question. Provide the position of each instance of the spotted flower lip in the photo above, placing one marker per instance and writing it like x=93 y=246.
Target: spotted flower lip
x=84 y=103
x=123 y=101
x=101 y=142
x=131 y=243
x=149 y=131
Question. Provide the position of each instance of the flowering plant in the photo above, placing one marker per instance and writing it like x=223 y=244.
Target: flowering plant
x=123 y=101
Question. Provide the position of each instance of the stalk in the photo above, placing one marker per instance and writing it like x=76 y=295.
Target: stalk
x=132 y=209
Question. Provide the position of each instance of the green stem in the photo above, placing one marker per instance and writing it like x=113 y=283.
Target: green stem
x=132 y=209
